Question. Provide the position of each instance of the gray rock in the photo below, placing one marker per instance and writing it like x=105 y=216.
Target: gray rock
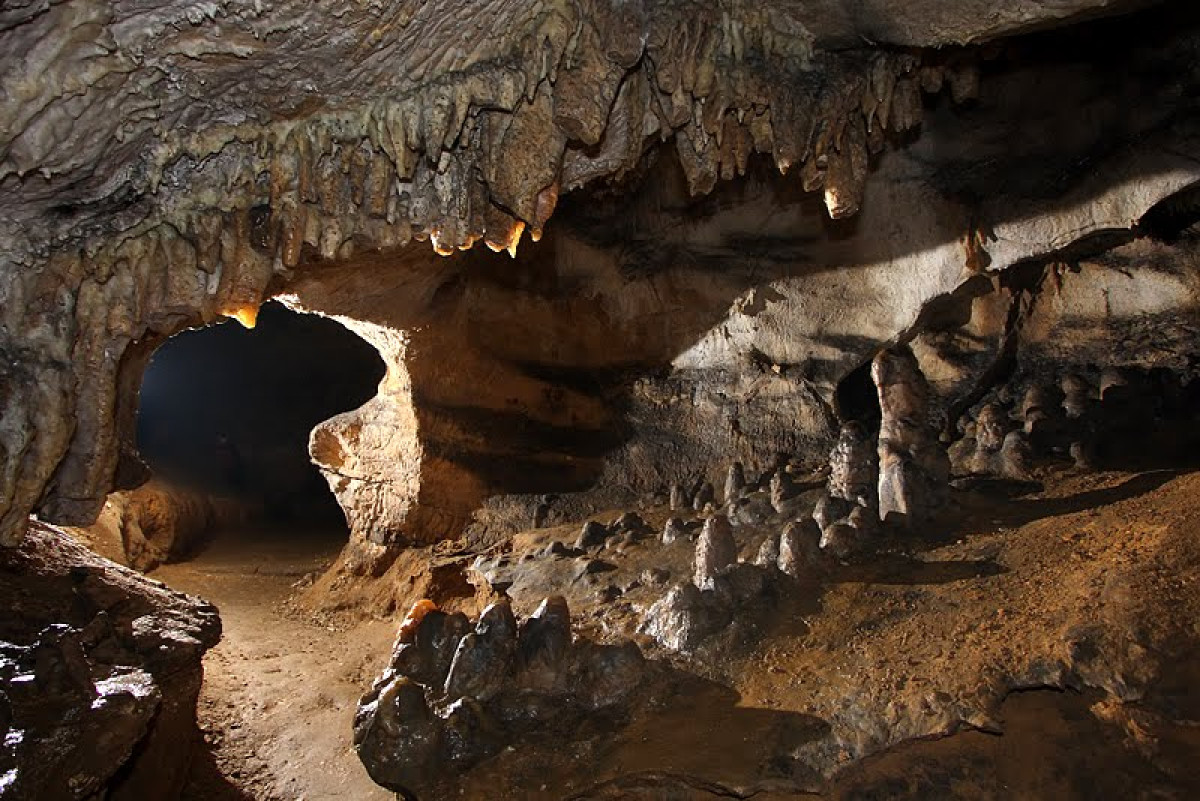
x=558 y=548
x=705 y=495
x=715 y=550
x=396 y=736
x=426 y=659
x=841 y=540
x=753 y=510
x=592 y=535
x=674 y=530
x=782 y=490
x=800 y=549
x=685 y=617
x=914 y=470
x=484 y=658
x=631 y=522
x=740 y=586
x=853 y=466
x=768 y=552
x=543 y=641
x=829 y=510
x=735 y=482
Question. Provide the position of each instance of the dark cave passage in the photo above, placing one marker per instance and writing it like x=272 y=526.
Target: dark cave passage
x=227 y=411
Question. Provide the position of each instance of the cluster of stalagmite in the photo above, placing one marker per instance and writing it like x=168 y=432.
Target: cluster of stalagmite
x=457 y=692
x=1112 y=417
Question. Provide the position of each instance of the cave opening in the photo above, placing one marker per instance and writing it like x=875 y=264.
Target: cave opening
x=856 y=398
x=225 y=412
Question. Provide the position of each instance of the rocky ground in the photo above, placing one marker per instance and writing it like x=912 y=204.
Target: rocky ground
x=1040 y=644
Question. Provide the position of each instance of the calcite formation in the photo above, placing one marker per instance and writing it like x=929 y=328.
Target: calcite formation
x=913 y=466
x=457 y=692
x=165 y=166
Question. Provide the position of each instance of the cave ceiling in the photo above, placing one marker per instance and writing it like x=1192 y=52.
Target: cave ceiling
x=117 y=117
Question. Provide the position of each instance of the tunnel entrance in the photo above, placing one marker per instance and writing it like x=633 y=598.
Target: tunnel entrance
x=227 y=411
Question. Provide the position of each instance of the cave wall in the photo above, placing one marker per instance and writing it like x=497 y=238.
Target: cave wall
x=654 y=338
x=268 y=150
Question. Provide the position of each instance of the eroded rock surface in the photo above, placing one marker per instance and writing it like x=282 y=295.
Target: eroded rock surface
x=99 y=673
x=503 y=687
x=158 y=523
x=136 y=218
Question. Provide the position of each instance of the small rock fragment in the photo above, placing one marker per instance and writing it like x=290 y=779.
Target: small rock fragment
x=768 y=552
x=592 y=535
x=674 y=530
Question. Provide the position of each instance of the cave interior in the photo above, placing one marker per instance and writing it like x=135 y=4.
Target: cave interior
x=599 y=399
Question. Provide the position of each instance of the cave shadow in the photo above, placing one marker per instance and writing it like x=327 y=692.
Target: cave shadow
x=1012 y=515
x=900 y=569
x=1053 y=745
x=206 y=782
x=698 y=735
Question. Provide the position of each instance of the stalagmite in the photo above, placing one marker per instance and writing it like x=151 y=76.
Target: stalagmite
x=715 y=551
x=913 y=467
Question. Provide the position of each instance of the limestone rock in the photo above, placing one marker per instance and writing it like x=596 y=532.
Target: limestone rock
x=715 y=551
x=593 y=534
x=99 y=674
x=674 y=530
x=768 y=552
x=735 y=482
x=800 y=549
x=483 y=657
x=507 y=683
x=914 y=470
x=685 y=617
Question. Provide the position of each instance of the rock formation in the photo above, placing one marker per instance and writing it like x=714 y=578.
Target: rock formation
x=615 y=256
x=137 y=218
x=913 y=468
x=99 y=673
x=157 y=523
x=456 y=694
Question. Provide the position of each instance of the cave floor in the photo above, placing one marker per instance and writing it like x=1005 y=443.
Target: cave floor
x=281 y=688
x=924 y=658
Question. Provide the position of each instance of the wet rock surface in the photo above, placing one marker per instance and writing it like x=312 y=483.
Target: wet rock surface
x=99 y=672
x=506 y=687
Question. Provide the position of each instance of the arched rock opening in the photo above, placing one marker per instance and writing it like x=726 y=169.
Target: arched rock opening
x=228 y=411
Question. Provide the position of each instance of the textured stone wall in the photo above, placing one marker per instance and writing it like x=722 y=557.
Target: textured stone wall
x=165 y=165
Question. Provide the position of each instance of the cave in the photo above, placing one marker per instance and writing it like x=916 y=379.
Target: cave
x=226 y=411
x=599 y=399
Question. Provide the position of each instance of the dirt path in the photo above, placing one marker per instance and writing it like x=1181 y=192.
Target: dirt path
x=280 y=690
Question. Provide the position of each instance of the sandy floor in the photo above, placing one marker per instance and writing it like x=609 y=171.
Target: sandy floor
x=280 y=690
